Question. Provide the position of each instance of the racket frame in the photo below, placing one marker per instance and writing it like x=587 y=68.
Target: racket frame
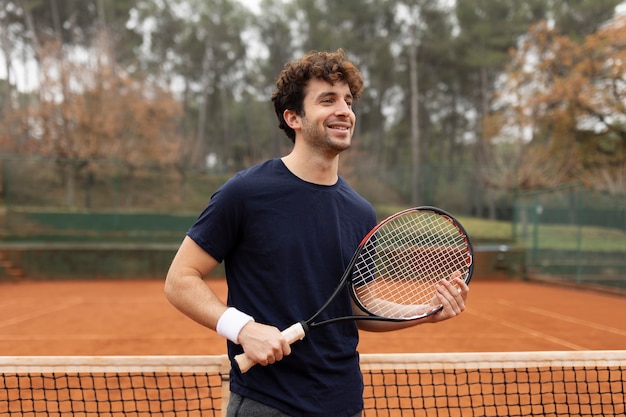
x=372 y=316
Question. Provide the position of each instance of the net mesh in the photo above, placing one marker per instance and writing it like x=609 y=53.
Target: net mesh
x=402 y=261
x=590 y=383
x=112 y=386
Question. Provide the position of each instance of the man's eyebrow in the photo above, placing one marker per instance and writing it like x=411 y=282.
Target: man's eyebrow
x=325 y=94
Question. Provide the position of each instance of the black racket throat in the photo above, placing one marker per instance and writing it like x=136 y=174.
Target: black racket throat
x=308 y=326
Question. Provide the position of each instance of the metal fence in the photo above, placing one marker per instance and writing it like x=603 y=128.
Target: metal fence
x=573 y=234
x=568 y=233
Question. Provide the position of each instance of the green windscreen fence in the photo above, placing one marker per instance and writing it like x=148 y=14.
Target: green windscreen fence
x=574 y=234
x=97 y=226
x=89 y=245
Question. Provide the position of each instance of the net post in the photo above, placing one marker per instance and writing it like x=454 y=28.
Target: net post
x=225 y=373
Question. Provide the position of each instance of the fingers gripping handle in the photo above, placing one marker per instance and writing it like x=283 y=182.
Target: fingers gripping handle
x=292 y=333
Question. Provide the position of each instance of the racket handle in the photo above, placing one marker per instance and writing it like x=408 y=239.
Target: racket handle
x=292 y=333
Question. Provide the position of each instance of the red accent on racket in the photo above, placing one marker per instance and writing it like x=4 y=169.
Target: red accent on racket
x=395 y=269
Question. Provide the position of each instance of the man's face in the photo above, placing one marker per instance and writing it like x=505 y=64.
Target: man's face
x=328 y=120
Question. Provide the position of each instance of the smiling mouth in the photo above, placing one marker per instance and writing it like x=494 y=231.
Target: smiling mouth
x=342 y=127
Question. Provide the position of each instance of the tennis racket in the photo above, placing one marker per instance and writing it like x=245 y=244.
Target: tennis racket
x=394 y=271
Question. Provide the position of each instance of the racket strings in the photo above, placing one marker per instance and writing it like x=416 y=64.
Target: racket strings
x=402 y=262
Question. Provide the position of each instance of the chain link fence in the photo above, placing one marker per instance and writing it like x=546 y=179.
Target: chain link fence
x=573 y=234
x=569 y=233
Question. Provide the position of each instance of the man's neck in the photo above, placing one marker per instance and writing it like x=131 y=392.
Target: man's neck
x=312 y=168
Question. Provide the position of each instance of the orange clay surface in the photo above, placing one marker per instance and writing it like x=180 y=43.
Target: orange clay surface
x=134 y=318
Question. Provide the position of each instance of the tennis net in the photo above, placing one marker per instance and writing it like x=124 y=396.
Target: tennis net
x=589 y=383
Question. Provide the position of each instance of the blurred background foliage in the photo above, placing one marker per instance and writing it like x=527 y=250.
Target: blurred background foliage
x=466 y=103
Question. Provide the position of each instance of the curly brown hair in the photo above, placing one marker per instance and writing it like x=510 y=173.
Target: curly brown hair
x=331 y=67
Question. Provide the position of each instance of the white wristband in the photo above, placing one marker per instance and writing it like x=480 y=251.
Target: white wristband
x=231 y=322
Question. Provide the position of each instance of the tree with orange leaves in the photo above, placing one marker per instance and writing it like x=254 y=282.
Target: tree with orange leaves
x=90 y=109
x=561 y=112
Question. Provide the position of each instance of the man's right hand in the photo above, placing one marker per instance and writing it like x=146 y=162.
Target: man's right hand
x=263 y=344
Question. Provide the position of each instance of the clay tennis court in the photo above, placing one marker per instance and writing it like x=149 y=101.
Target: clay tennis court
x=133 y=318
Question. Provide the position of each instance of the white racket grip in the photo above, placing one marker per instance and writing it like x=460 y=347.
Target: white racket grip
x=292 y=333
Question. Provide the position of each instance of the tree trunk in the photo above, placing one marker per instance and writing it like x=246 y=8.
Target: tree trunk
x=200 y=152
x=415 y=134
x=70 y=184
x=483 y=152
x=6 y=50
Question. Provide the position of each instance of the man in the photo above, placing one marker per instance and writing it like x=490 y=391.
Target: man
x=286 y=229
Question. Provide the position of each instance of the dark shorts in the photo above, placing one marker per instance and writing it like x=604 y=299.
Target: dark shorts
x=239 y=406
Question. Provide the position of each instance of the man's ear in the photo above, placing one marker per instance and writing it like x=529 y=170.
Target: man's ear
x=292 y=119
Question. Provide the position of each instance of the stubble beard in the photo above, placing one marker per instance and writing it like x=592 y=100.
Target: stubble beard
x=318 y=138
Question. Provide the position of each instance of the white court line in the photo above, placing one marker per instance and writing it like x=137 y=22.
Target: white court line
x=528 y=330
x=39 y=313
x=568 y=319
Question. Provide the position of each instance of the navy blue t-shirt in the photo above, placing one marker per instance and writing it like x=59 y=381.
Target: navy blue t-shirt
x=285 y=244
